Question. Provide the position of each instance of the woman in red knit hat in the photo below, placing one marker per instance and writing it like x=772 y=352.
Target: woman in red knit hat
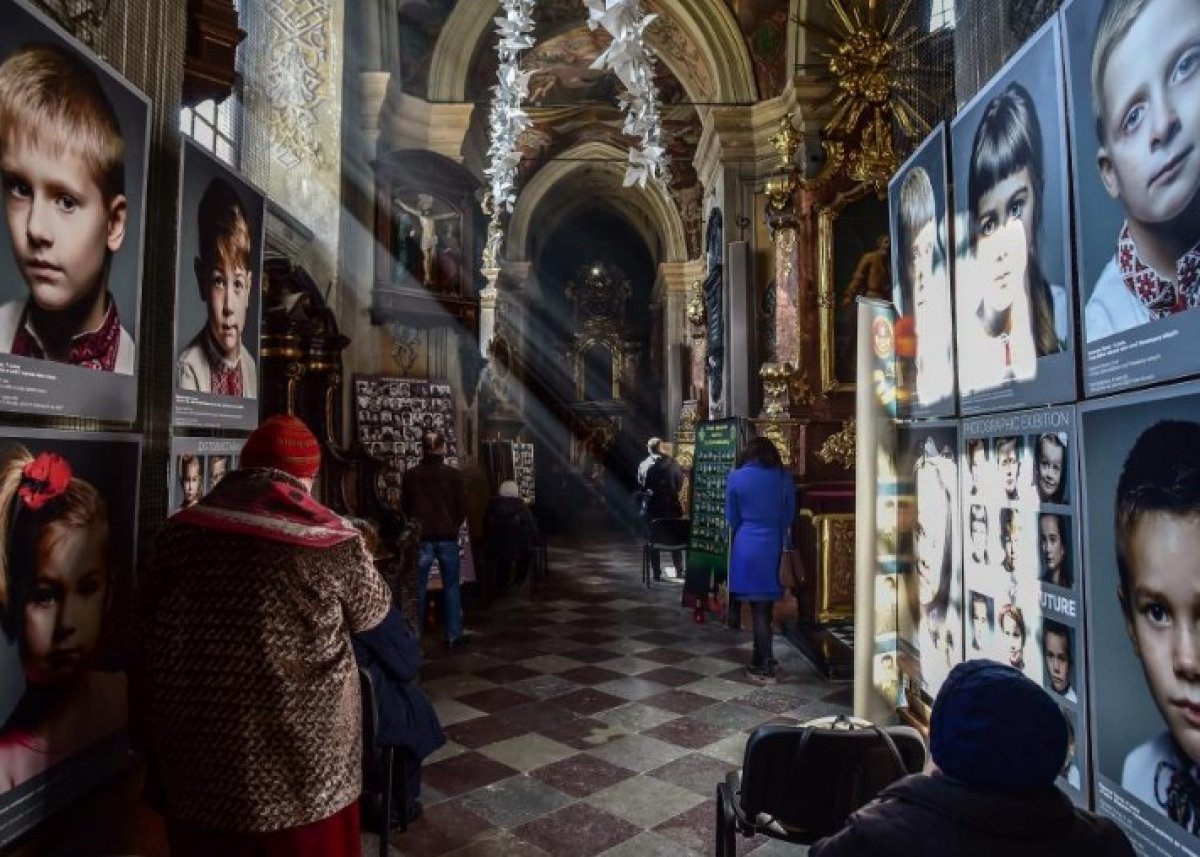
x=248 y=680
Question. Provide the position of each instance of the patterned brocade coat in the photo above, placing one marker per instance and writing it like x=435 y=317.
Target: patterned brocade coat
x=248 y=693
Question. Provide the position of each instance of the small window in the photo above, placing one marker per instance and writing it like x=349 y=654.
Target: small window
x=218 y=127
x=941 y=15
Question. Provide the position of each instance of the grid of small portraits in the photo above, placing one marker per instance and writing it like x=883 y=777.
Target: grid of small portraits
x=198 y=465
x=391 y=416
x=1021 y=567
x=524 y=471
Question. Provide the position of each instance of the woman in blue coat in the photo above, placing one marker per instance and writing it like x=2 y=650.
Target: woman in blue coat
x=760 y=502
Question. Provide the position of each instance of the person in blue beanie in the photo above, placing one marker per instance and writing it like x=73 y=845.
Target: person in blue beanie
x=998 y=743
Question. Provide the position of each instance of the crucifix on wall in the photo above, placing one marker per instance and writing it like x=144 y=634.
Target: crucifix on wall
x=427 y=239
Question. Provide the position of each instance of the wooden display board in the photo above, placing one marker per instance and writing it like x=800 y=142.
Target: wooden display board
x=717 y=444
x=390 y=415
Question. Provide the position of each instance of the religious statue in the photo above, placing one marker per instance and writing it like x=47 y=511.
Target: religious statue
x=872 y=276
x=429 y=237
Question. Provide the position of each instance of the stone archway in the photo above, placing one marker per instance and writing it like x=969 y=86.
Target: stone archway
x=648 y=209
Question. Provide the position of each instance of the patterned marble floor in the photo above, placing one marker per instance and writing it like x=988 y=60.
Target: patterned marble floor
x=595 y=719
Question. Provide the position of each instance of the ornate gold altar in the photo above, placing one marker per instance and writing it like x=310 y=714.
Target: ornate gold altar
x=829 y=229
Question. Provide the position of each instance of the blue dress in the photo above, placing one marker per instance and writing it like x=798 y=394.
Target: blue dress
x=760 y=503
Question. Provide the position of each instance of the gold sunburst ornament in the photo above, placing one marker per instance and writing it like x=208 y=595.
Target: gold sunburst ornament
x=872 y=62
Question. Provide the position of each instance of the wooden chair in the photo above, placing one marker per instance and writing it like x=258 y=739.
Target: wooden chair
x=378 y=784
x=664 y=534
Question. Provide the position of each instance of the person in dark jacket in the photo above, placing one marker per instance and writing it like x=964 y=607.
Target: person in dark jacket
x=435 y=494
x=509 y=534
x=407 y=721
x=664 y=481
x=998 y=742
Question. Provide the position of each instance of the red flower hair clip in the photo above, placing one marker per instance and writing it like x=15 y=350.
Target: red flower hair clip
x=43 y=479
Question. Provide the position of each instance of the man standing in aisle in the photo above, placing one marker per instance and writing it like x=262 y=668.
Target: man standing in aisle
x=435 y=494
x=245 y=687
x=664 y=481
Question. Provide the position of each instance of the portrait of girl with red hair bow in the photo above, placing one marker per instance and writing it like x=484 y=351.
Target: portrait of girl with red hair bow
x=56 y=591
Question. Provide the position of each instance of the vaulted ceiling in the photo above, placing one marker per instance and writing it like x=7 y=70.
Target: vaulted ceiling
x=708 y=52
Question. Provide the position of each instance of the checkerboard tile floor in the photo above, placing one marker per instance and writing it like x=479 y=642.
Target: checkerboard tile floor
x=595 y=718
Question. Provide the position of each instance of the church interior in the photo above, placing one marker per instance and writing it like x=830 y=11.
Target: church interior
x=550 y=239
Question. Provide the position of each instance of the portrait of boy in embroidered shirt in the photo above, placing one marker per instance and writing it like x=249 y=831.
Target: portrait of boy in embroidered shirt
x=62 y=158
x=57 y=581
x=216 y=360
x=1145 y=99
x=1157 y=525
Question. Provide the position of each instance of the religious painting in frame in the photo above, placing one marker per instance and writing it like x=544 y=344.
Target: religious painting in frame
x=853 y=260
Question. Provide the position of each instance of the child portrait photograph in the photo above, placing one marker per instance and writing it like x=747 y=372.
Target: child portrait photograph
x=917 y=198
x=73 y=151
x=69 y=509
x=1013 y=267
x=931 y=598
x=218 y=295
x=198 y=464
x=1141 y=481
x=1134 y=85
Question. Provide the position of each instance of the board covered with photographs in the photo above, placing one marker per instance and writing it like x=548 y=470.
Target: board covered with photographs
x=218 y=294
x=75 y=163
x=929 y=616
x=717 y=445
x=1141 y=506
x=510 y=460
x=69 y=508
x=390 y=416
x=197 y=465
x=918 y=201
x=1013 y=294
x=1137 y=189
x=523 y=465
x=1021 y=562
